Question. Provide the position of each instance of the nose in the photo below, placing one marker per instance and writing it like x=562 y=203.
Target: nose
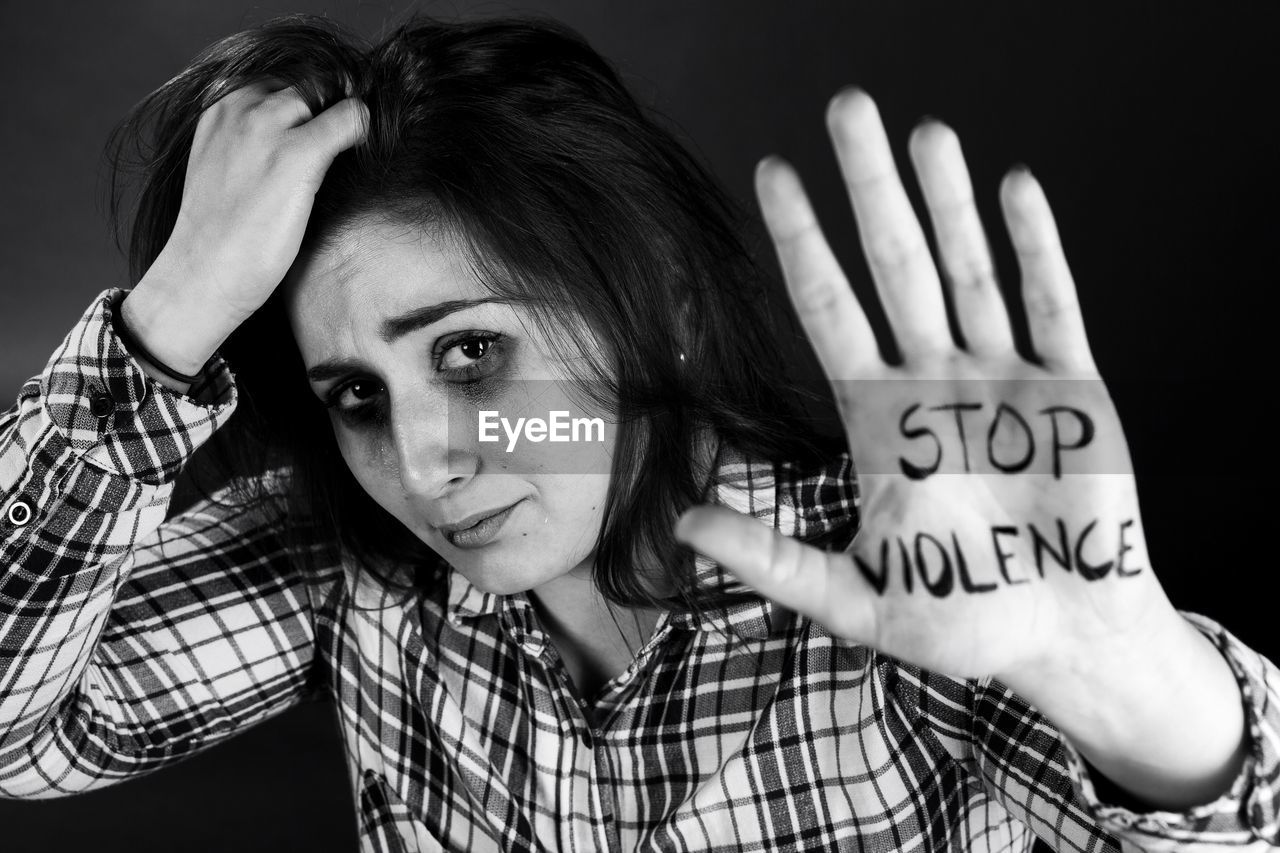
x=432 y=455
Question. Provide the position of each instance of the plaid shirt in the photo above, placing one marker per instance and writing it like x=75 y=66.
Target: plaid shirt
x=128 y=641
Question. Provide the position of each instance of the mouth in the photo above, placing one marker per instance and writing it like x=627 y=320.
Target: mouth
x=481 y=531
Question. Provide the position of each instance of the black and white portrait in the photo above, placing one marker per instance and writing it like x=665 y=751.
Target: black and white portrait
x=640 y=426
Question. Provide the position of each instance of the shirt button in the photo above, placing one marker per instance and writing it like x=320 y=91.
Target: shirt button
x=19 y=512
x=101 y=404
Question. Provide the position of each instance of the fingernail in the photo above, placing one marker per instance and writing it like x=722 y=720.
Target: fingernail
x=1021 y=167
x=925 y=119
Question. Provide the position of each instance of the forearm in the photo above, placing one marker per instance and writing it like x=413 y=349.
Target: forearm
x=1163 y=719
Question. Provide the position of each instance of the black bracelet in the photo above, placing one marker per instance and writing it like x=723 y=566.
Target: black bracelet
x=135 y=346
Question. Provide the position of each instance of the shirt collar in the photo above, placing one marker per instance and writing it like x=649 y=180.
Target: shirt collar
x=815 y=504
x=467 y=601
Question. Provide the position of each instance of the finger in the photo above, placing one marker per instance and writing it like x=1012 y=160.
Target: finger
x=824 y=586
x=289 y=104
x=1048 y=292
x=826 y=305
x=284 y=103
x=962 y=244
x=337 y=128
x=256 y=90
x=892 y=241
x=243 y=96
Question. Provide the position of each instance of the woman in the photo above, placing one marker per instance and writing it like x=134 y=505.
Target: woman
x=475 y=220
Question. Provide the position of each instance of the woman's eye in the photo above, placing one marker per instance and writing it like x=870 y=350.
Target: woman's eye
x=363 y=390
x=352 y=399
x=463 y=355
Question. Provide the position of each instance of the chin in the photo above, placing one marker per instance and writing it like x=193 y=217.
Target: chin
x=500 y=577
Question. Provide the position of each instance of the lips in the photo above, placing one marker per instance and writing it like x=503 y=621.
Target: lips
x=473 y=519
x=482 y=531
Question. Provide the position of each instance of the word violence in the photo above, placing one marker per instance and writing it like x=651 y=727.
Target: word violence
x=941 y=566
x=1011 y=442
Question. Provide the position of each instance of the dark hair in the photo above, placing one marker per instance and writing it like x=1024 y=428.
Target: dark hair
x=516 y=136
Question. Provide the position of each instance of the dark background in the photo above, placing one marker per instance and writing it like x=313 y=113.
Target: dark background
x=1152 y=126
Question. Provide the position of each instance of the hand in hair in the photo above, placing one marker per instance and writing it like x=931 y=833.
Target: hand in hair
x=257 y=159
x=1001 y=535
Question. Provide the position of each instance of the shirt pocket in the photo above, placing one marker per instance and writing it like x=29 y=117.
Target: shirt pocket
x=387 y=824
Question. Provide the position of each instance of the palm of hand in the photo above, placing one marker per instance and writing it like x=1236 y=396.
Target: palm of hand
x=996 y=530
x=999 y=518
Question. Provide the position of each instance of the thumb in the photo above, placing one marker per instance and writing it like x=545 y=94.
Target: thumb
x=826 y=586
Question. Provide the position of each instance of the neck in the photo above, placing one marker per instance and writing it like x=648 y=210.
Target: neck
x=595 y=640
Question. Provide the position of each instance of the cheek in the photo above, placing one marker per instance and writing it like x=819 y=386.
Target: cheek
x=573 y=505
x=372 y=461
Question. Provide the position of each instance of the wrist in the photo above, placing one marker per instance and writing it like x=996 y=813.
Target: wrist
x=1159 y=714
x=166 y=314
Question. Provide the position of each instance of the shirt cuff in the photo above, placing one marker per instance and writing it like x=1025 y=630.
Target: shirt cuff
x=1247 y=812
x=115 y=416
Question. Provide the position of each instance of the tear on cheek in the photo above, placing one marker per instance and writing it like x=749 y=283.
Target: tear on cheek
x=382 y=457
x=368 y=461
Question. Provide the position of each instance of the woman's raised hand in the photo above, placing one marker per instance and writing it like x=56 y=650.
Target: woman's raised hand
x=257 y=159
x=1000 y=533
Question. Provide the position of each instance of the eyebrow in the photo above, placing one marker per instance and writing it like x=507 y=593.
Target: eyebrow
x=395 y=328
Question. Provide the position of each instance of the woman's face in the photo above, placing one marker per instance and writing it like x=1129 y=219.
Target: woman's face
x=407 y=348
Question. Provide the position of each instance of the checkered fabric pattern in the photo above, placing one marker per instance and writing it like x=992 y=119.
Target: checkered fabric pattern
x=128 y=642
